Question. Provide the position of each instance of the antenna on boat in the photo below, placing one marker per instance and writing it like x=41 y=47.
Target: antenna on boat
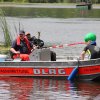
x=38 y=39
x=38 y=35
x=19 y=26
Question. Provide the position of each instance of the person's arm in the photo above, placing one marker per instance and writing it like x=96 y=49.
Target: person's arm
x=12 y=49
x=82 y=56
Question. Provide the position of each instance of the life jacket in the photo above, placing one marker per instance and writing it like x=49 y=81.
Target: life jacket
x=27 y=43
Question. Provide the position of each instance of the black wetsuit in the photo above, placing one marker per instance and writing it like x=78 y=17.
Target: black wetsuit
x=93 y=50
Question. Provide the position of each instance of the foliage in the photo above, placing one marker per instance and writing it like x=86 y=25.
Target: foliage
x=47 y=1
x=4 y=50
x=5 y=29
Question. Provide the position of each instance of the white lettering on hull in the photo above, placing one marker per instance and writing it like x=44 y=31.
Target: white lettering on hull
x=52 y=71
x=36 y=71
x=44 y=72
x=61 y=72
x=49 y=71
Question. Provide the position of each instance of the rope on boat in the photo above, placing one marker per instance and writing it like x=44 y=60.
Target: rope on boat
x=66 y=45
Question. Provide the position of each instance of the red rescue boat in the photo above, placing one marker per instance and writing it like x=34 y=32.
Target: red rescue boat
x=87 y=69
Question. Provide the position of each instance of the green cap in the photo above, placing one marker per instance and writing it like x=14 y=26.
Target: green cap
x=90 y=36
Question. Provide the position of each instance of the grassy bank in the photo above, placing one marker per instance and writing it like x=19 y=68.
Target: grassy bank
x=4 y=49
x=58 y=5
x=10 y=3
x=5 y=28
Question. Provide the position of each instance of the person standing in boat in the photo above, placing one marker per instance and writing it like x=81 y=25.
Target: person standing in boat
x=21 y=47
x=91 y=48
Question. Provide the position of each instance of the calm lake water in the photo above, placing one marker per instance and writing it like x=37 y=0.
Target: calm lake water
x=13 y=88
x=57 y=26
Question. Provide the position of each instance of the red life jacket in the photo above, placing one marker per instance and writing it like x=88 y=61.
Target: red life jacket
x=27 y=43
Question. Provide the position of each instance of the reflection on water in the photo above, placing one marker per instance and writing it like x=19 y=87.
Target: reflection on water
x=40 y=12
x=50 y=12
x=14 y=88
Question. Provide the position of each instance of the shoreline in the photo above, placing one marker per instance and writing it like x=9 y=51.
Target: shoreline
x=44 y=5
x=39 y=5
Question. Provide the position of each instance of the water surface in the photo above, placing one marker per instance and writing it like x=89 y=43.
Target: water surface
x=14 y=88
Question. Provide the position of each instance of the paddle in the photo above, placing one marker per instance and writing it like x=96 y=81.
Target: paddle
x=72 y=76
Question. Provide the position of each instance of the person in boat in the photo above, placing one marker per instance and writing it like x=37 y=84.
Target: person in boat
x=34 y=41
x=39 y=44
x=21 y=47
x=91 y=47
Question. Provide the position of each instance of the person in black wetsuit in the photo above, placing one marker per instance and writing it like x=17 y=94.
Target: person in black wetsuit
x=91 y=47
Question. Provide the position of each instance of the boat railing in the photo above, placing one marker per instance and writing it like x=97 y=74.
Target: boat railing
x=66 y=58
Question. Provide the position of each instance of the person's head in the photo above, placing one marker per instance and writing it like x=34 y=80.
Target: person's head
x=28 y=35
x=21 y=34
x=90 y=38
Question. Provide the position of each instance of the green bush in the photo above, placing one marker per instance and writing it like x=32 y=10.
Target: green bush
x=5 y=29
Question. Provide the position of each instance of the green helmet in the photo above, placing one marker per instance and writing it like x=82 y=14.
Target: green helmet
x=90 y=36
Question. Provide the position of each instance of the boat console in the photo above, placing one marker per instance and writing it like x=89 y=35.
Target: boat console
x=43 y=54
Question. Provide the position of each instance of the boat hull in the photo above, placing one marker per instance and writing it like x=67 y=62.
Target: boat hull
x=87 y=70
x=84 y=5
